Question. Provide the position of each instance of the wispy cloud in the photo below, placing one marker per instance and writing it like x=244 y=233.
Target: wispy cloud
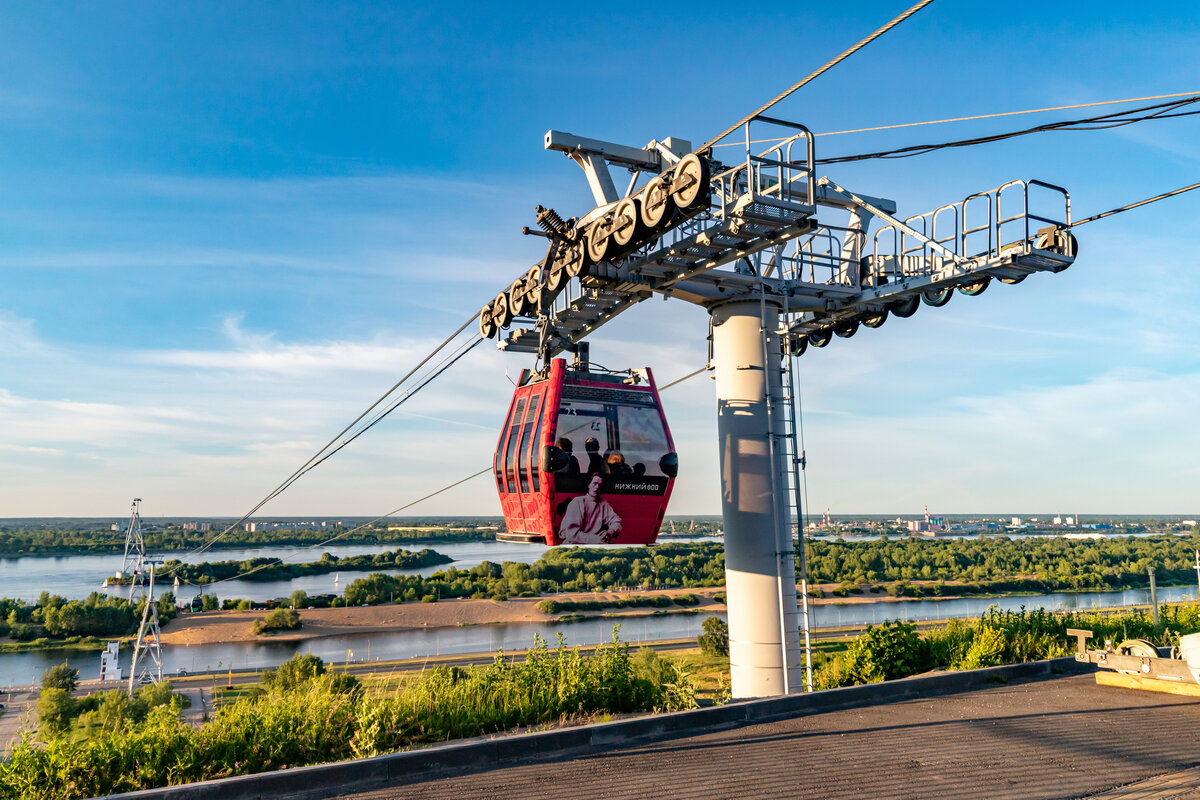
x=18 y=339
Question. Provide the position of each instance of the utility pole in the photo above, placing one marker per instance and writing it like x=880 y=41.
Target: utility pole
x=1153 y=596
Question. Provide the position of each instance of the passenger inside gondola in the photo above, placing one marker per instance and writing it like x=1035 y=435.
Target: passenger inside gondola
x=571 y=466
x=616 y=464
x=596 y=463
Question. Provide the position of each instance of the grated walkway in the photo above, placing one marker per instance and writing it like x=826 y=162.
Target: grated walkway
x=1058 y=738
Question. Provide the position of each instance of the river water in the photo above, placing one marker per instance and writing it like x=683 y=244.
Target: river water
x=76 y=576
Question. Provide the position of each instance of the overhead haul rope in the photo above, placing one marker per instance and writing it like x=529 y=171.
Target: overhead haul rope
x=1132 y=206
x=322 y=454
x=1102 y=122
x=343 y=534
x=968 y=119
x=392 y=513
x=820 y=71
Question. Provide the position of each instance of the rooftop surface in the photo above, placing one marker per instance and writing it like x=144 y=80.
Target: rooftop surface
x=1059 y=738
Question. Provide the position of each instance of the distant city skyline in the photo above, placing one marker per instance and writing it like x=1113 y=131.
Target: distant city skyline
x=228 y=229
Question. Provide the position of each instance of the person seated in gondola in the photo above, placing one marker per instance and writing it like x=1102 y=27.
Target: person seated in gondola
x=589 y=519
x=596 y=463
x=571 y=467
x=616 y=464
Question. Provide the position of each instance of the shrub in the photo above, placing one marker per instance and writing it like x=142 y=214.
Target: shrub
x=429 y=598
x=687 y=600
x=715 y=639
x=882 y=653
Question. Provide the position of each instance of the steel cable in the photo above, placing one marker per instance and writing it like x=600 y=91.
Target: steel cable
x=820 y=71
x=320 y=454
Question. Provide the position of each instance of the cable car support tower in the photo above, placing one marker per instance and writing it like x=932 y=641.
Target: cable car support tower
x=782 y=259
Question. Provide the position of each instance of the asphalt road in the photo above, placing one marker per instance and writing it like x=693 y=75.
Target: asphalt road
x=1059 y=738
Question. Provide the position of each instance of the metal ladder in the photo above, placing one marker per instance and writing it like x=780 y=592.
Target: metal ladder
x=781 y=408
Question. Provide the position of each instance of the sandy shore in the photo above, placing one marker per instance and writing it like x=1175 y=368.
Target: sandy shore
x=235 y=626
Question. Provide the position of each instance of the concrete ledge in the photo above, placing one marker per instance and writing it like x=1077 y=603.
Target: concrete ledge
x=477 y=755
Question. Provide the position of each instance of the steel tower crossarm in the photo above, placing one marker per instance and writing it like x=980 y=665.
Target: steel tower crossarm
x=766 y=224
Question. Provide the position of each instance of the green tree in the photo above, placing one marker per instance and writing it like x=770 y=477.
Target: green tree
x=63 y=676
x=715 y=639
x=281 y=619
x=209 y=602
x=296 y=671
x=55 y=709
x=114 y=711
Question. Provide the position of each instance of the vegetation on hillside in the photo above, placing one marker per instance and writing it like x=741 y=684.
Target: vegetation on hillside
x=897 y=649
x=307 y=716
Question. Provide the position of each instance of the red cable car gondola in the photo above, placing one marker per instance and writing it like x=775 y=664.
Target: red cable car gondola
x=585 y=457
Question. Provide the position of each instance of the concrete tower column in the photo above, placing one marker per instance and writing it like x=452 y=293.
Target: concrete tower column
x=765 y=655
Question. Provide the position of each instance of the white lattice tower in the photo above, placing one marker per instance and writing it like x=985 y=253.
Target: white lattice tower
x=147 y=651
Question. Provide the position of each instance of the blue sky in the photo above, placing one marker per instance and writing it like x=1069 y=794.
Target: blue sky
x=226 y=228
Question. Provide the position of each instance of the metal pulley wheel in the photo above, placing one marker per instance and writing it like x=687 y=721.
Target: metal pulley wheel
x=501 y=314
x=657 y=205
x=1057 y=240
x=906 y=307
x=798 y=344
x=487 y=325
x=820 y=338
x=846 y=328
x=599 y=239
x=689 y=182
x=975 y=289
x=533 y=288
x=875 y=320
x=1140 y=648
x=937 y=297
x=1013 y=280
x=517 y=304
x=557 y=272
x=577 y=260
x=627 y=226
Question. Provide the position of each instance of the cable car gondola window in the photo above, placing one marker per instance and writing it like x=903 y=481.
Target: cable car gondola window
x=535 y=447
x=523 y=442
x=621 y=429
x=511 y=450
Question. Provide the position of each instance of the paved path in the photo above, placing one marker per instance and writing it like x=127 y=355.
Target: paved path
x=1060 y=738
x=19 y=713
